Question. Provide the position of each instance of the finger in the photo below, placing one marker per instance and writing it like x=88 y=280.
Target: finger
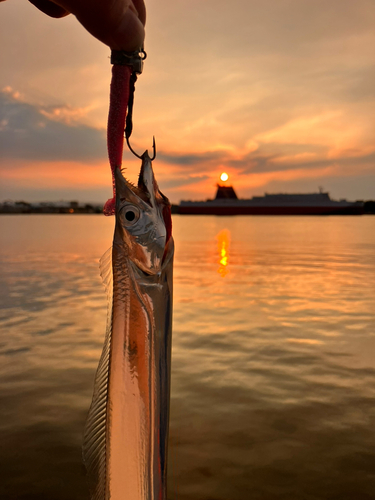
x=117 y=23
x=50 y=8
x=141 y=9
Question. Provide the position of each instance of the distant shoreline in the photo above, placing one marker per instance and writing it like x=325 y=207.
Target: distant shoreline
x=72 y=208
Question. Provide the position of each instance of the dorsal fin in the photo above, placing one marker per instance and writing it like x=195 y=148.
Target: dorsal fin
x=105 y=267
x=94 y=441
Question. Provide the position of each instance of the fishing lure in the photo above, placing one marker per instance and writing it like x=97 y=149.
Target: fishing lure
x=126 y=433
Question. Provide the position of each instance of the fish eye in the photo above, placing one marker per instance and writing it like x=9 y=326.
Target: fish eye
x=130 y=215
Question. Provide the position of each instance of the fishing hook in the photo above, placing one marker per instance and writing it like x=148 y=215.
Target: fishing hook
x=136 y=154
x=135 y=61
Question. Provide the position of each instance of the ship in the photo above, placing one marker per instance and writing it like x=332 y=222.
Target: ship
x=226 y=202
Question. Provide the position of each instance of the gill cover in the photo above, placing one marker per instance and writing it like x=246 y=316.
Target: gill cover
x=142 y=218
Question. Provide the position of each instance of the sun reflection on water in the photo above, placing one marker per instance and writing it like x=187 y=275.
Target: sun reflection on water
x=223 y=239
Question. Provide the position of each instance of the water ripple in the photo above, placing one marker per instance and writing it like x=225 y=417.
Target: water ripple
x=273 y=375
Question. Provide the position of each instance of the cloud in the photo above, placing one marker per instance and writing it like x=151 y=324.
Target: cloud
x=268 y=157
x=32 y=132
x=182 y=181
x=190 y=159
x=52 y=135
x=65 y=114
x=267 y=168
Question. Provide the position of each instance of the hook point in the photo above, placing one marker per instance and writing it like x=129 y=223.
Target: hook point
x=154 y=148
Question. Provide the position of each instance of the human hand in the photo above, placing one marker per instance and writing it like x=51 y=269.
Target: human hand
x=117 y=23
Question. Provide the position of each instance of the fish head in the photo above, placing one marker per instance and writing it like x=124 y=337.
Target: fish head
x=143 y=219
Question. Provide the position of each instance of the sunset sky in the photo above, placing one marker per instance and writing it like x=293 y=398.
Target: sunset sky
x=280 y=94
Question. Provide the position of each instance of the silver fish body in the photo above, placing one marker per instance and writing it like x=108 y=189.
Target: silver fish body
x=126 y=434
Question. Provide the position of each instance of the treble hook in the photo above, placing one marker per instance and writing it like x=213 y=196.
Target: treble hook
x=136 y=154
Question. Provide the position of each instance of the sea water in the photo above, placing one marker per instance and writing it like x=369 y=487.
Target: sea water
x=273 y=371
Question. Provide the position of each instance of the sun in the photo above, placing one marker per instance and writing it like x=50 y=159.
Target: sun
x=224 y=177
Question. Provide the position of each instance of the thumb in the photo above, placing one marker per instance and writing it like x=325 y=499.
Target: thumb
x=117 y=23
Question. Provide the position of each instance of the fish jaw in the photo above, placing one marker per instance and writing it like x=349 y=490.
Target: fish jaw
x=140 y=224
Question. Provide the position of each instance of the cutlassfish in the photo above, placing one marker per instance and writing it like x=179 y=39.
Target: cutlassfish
x=126 y=433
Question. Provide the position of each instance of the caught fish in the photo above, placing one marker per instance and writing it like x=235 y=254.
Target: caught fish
x=126 y=433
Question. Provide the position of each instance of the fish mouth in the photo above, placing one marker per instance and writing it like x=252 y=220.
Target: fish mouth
x=147 y=188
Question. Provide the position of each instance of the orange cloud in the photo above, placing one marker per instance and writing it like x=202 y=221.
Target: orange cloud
x=66 y=114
